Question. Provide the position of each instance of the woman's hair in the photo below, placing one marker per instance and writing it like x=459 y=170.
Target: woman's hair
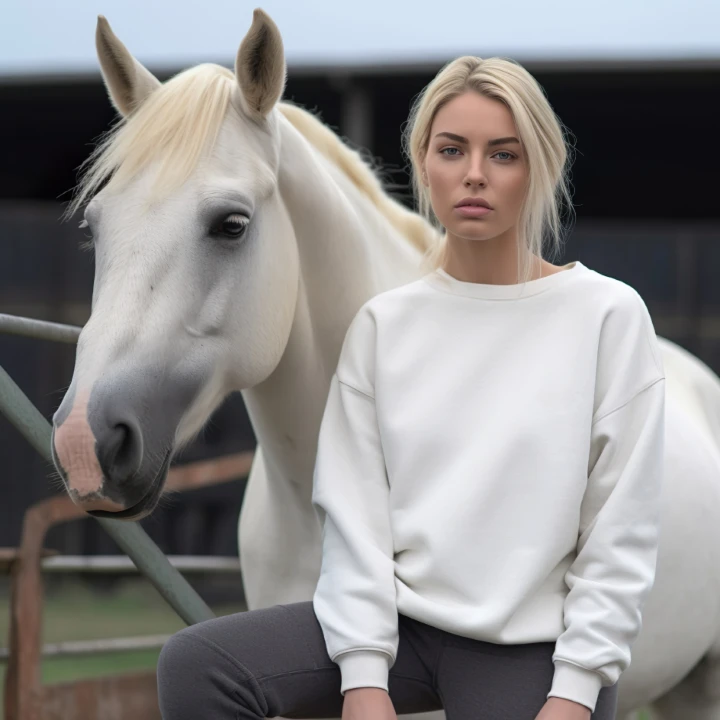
x=549 y=155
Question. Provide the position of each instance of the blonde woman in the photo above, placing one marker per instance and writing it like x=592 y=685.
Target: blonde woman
x=488 y=468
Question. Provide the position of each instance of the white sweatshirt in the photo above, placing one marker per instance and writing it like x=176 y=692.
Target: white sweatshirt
x=489 y=463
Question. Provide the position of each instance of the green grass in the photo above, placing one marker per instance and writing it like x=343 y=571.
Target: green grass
x=61 y=670
x=76 y=613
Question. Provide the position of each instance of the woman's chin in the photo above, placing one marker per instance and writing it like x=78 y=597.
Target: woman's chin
x=478 y=234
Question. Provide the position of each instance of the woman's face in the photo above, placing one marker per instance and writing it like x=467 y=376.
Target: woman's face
x=474 y=153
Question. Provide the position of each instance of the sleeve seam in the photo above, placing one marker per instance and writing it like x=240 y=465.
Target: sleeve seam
x=357 y=390
x=559 y=659
x=362 y=649
x=643 y=389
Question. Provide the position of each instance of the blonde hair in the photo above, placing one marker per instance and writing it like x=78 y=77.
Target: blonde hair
x=540 y=225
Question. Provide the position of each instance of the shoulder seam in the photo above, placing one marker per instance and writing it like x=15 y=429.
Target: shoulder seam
x=357 y=390
x=650 y=333
x=628 y=401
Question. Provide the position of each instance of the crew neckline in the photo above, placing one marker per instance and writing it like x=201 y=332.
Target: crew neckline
x=442 y=280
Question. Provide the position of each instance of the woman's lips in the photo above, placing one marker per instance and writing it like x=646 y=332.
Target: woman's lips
x=472 y=211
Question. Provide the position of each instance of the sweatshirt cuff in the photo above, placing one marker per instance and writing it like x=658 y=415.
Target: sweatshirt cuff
x=363 y=668
x=575 y=683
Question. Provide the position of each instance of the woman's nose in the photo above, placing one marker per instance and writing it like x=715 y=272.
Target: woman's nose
x=475 y=174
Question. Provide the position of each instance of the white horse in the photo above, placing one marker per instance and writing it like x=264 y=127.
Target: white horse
x=236 y=237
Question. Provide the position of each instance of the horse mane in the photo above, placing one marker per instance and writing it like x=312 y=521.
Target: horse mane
x=182 y=118
x=349 y=161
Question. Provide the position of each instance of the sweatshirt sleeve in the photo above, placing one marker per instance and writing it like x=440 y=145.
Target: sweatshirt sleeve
x=614 y=569
x=355 y=600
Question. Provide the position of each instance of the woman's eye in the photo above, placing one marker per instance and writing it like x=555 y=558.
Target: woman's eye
x=233 y=226
x=444 y=151
x=510 y=156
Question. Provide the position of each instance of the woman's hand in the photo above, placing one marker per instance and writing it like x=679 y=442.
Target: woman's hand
x=561 y=709
x=368 y=704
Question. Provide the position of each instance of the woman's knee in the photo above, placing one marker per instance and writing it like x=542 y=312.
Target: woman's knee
x=184 y=662
x=176 y=657
x=193 y=675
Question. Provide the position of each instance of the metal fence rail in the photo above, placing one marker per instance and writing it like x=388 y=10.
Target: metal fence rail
x=82 y=648
x=13 y=325
x=110 y=564
x=129 y=536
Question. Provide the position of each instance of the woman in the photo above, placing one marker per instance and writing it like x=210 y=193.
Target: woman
x=488 y=466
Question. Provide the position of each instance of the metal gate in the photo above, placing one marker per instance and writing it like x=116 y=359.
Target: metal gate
x=129 y=536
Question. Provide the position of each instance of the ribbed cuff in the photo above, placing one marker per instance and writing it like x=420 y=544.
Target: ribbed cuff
x=575 y=683
x=363 y=668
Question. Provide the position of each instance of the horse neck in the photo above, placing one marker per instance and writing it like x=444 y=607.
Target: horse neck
x=348 y=252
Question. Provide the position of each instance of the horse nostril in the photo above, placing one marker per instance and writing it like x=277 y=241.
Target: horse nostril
x=123 y=443
x=119 y=451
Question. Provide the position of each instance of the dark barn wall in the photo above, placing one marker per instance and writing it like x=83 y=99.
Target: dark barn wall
x=645 y=193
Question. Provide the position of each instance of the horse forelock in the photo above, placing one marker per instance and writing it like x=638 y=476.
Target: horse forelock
x=173 y=128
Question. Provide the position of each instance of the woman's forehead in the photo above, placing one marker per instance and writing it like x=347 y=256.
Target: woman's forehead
x=474 y=117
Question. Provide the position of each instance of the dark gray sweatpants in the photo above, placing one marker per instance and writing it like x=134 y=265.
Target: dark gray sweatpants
x=273 y=662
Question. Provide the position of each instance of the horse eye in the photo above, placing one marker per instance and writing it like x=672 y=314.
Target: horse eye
x=89 y=242
x=85 y=225
x=233 y=226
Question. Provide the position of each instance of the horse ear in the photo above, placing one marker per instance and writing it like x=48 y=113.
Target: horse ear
x=128 y=83
x=260 y=65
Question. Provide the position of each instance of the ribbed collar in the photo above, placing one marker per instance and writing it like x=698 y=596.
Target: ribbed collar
x=441 y=280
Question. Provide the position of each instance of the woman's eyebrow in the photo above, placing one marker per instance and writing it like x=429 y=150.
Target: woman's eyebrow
x=465 y=141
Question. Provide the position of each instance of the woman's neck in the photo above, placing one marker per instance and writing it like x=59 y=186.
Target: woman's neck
x=490 y=262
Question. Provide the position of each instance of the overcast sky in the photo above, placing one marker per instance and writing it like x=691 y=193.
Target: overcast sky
x=57 y=36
